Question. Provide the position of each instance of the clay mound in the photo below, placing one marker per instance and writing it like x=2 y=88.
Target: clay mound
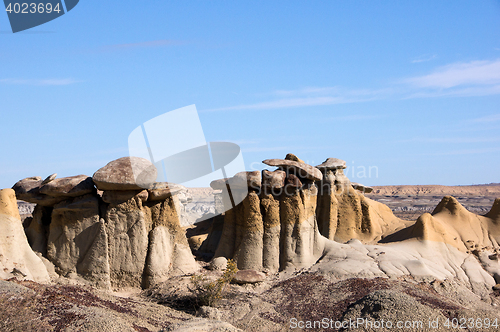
x=16 y=257
x=451 y=223
x=494 y=213
x=344 y=213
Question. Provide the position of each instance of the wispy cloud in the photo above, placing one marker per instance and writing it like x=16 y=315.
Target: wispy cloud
x=356 y=117
x=311 y=96
x=308 y=91
x=457 y=140
x=146 y=44
x=460 y=74
x=44 y=82
x=424 y=58
x=467 y=151
x=488 y=118
x=464 y=79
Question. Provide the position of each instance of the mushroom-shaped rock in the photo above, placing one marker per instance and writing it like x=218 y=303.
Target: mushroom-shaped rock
x=361 y=187
x=332 y=163
x=127 y=173
x=72 y=186
x=300 y=169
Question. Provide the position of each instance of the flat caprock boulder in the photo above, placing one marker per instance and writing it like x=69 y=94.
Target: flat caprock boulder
x=361 y=187
x=332 y=163
x=241 y=180
x=71 y=186
x=127 y=173
x=28 y=190
x=300 y=169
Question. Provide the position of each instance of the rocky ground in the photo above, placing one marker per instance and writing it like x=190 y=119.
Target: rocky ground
x=282 y=303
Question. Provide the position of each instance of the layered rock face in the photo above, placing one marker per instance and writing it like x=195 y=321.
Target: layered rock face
x=122 y=236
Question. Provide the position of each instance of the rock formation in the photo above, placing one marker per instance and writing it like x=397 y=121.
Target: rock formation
x=274 y=227
x=124 y=235
x=344 y=213
x=17 y=259
x=288 y=213
x=120 y=228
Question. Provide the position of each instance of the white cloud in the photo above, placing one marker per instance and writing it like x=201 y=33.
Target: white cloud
x=453 y=140
x=475 y=78
x=51 y=81
x=460 y=74
x=468 y=151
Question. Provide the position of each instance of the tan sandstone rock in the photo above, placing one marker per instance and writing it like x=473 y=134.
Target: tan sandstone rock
x=169 y=253
x=77 y=240
x=343 y=213
x=16 y=257
x=273 y=230
x=127 y=226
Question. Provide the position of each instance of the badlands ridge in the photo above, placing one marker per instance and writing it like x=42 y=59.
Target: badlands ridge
x=294 y=224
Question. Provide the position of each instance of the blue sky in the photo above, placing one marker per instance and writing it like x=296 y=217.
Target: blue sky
x=410 y=89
